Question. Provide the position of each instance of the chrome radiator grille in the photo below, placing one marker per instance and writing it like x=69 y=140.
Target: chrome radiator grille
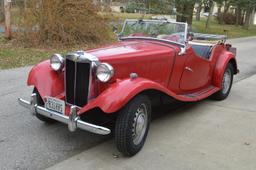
x=77 y=80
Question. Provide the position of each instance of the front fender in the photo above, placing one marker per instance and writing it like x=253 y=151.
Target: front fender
x=221 y=65
x=122 y=91
x=47 y=81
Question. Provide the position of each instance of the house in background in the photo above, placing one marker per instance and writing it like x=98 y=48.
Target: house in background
x=117 y=6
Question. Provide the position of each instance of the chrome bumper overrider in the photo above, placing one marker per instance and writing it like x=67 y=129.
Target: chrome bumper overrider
x=73 y=121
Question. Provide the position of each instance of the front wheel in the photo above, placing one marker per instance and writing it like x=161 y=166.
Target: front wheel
x=132 y=125
x=227 y=82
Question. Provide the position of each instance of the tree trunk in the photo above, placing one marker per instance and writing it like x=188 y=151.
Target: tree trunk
x=25 y=4
x=247 y=18
x=252 y=17
x=238 y=15
x=1 y=11
x=7 y=13
x=185 y=11
x=198 y=11
x=219 y=14
x=179 y=10
x=189 y=12
x=242 y=17
x=207 y=25
x=226 y=6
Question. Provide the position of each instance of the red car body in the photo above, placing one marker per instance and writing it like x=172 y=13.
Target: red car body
x=124 y=79
x=159 y=67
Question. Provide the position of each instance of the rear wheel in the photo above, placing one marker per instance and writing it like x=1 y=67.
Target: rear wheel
x=41 y=103
x=227 y=82
x=132 y=125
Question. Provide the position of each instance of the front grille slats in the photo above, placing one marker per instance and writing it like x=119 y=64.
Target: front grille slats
x=77 y=82
x=82 y=83
x=70 y=79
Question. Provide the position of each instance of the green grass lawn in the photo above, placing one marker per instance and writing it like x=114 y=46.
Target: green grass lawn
x=215 y=28
x=199 y=26
x=12 y=55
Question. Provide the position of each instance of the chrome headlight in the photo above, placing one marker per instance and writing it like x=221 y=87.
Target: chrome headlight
x=57 y=62
x=104 y=72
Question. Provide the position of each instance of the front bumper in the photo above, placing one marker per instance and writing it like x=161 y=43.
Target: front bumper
x=73 y=121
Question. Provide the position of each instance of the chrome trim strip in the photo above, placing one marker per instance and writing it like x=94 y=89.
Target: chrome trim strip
x=73 y=121
x=24 y=103
x=82 y=56
x=92 y=78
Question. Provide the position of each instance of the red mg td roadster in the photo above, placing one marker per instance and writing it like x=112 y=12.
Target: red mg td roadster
x=153 y=59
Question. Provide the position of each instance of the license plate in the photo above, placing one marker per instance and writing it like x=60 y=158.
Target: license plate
x=55 y=105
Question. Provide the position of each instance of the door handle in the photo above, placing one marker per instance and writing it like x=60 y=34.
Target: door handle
x=189 y=69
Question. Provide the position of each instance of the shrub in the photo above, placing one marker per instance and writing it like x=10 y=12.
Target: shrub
x=63 y=22
x=227 y=18
x=133 y=6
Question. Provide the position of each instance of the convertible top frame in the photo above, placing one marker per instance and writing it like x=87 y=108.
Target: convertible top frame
x=210 y=37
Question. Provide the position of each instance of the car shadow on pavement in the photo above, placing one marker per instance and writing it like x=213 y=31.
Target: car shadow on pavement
x=171 y=109
x=79 y=141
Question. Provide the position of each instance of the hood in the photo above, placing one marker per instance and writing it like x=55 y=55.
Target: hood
x=132 y=48
x=143 y=57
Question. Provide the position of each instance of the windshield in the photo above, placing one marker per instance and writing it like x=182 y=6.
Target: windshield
x=159 y=29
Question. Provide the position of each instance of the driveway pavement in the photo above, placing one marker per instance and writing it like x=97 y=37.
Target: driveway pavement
x=26 y=143
x=206 y=135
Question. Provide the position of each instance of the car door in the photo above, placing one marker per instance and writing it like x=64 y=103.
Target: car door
x=196 y=72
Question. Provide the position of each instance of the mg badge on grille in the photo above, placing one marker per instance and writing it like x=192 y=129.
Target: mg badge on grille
x=75 y=57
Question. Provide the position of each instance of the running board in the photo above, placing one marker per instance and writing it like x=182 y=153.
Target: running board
x=202 y=94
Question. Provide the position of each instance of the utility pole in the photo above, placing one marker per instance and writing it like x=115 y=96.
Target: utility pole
x=7 y=14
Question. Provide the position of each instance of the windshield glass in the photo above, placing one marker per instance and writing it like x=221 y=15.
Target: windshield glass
x=160 y=29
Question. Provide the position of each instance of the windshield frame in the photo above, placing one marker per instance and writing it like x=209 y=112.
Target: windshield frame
x=121 y=37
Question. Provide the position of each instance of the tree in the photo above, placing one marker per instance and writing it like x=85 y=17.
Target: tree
x=245 y=10
x=1 y=10
x=199 y=9
x=185 y=10
x=220 y=5
x=7 y=14
x=211 y=6
x=157 y=6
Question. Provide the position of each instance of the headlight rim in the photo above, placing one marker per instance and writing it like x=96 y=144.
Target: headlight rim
x=61 y=62
x=110 y=71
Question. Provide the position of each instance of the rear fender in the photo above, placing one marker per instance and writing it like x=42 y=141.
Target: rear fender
x=224 y=59
x=47 y=81
x=122 y=91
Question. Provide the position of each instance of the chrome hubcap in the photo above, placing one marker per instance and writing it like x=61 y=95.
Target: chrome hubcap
x=140 y=124
x=226 y=82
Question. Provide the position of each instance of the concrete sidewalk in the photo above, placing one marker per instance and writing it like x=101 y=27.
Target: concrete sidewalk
x=208 y=135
